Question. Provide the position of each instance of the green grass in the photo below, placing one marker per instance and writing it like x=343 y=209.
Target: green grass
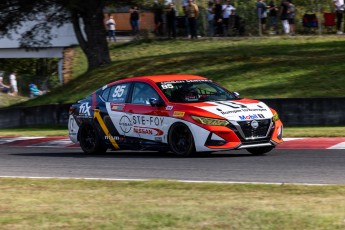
x=87 y=204
x=276 y=67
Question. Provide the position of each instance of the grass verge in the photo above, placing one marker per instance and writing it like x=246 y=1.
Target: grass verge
x=276 y=67
x=87 y=204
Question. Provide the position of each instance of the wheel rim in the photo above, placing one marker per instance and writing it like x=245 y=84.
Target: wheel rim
x=181 y=139
x=88 y=138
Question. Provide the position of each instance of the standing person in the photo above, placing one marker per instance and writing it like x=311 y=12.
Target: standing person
x=111 y=29
x=283 y=12
x=218 y=18
x=339 y=7
x=171 y=20
x=13 y=83
x=291 y=17
x=4 y=88
x=273 y=14
x=192 y=12
x=261 y=10
x=158 y=19
x=134 y=19
x=210 y=19
x=184 y=5
x=227 y=9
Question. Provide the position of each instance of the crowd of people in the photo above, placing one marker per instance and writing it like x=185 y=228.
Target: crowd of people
x=222 y=18
x=12 y=88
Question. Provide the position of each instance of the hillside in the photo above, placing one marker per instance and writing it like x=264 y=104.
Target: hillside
x=276 y=67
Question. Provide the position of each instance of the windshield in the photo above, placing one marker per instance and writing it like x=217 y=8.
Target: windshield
x=194 y=91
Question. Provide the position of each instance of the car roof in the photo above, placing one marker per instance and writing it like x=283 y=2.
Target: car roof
x=168 y=77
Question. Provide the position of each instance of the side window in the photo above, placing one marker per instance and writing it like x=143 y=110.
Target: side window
x=142 y=93
x=118 y=93
x=105 y=94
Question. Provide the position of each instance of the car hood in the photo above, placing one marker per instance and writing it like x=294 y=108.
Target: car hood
x=238 y=110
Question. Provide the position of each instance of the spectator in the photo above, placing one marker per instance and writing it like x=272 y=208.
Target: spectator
x=34 y=91
x=192 y=12
x=291 y=17
x=4 y=88
x=171 y=20
x=339 y=7
x=284 y=16
x=237 y=24
x=273 y=14
x=13 y=83
x=227 y=9
x=261 y=10
x=210 y=19
x=218 y=18
x=111 y=29
x=134 y=19
x=184 y=5
x=158 y=19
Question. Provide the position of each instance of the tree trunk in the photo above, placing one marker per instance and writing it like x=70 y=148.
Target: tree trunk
x=92 y=38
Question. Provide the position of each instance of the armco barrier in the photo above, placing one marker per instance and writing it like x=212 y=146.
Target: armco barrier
x=33 y=116
x=292 y=111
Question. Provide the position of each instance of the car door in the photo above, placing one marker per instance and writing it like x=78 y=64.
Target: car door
x=147 y=122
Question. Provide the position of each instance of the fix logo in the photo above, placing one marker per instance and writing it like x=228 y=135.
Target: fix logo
x=85 y=109
x=251 y=117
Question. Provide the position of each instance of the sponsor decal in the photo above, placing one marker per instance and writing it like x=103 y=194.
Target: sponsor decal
x=117 y=138
x=115 y=107
x=240 y=109
x=178 y=114
x=125 y=124
x=84 y=109
x=159 y=139
x=251 y=117
x=169 y=107
x=148 y=131
x=147 y=120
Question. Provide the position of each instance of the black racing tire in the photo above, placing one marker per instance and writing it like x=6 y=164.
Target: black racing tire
x=90 y=140
x=181 y=141
x=260 y=151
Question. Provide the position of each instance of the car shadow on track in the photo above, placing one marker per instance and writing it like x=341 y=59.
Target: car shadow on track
x=129 y=154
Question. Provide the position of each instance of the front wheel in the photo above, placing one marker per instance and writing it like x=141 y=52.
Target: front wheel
x=260 y=151
x=89 y=140
x=181 y=140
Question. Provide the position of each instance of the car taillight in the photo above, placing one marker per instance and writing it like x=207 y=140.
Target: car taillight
x=71 y=110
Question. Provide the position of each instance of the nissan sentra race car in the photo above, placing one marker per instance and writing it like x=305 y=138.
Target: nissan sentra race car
x=185 y=114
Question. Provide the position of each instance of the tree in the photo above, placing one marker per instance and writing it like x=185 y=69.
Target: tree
x=86 y=16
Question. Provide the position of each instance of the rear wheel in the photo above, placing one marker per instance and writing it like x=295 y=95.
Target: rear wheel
x=89 y=139
x=260 y=151
x=181 y=140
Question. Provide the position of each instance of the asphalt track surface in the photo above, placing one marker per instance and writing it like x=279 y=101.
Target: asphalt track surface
x=311 y=166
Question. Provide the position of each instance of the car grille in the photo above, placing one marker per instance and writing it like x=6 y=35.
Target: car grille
x=247 y=133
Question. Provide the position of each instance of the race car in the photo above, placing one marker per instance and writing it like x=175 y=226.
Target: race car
x=184 y=114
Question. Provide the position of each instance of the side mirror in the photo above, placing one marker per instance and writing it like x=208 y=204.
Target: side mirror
x=156 y=102
x=237 y=95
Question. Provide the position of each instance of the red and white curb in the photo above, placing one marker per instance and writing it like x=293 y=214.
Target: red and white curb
x=64 y=142
x=313 y=143
x=61 y=142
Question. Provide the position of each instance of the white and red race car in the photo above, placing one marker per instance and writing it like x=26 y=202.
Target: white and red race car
x=185 y=114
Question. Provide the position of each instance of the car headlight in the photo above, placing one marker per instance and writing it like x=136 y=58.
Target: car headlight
x=275 y=117
x=210 y=121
